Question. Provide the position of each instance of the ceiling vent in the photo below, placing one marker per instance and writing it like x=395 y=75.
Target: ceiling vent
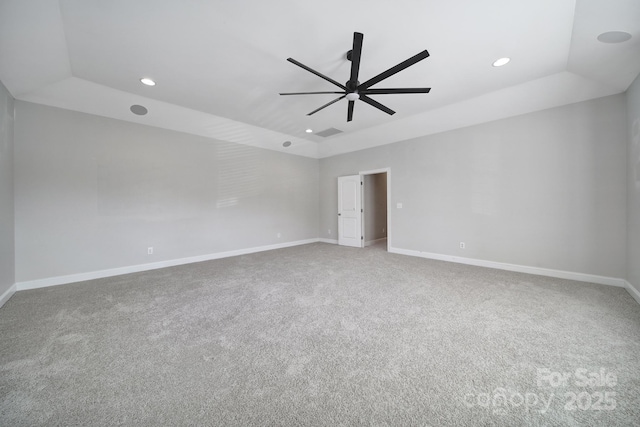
x=328 y=132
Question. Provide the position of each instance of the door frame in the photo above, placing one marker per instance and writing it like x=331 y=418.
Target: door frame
x=386 y=170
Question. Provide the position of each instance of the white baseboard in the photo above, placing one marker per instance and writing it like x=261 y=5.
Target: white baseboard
x=81 y=277
x=632 y=290
x=331 y=241
x=582 y=277
x=60 y=280
x=373 y=242
x=7 y=294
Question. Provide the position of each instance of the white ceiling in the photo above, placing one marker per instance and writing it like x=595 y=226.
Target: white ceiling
x=219 y=65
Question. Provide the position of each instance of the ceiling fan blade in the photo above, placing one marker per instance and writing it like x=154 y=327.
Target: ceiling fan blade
x=393 y=70
x=355 y=57
x=326 y=105
x=311 y=70
x=376 y=104
x=350 y=111
x=308 y=93
x=399 y=90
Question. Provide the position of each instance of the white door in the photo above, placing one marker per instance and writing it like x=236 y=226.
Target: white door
x=349 y=211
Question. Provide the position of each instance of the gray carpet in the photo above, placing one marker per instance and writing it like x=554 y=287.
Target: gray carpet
x=321 y=335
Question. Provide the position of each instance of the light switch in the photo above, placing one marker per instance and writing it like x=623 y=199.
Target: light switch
x=399 y=205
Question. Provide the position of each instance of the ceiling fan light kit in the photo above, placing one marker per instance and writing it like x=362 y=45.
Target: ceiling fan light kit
x=353 y=90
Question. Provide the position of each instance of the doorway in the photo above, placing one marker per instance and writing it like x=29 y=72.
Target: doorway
x=374 y=209
x=363 y=209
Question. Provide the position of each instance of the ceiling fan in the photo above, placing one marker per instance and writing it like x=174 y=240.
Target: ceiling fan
x=353 y=89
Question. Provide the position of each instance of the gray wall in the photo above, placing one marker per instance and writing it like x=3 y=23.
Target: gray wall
x=633 y=185
x=7 y=248
x=93 y=193
x=375 y=206
x=546 y=189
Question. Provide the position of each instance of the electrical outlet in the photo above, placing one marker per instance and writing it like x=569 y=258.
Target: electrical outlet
x=329 y=231
x=150 y=250
x=462 y=245
x=279 y=235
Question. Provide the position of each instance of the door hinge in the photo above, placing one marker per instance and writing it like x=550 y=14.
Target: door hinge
x=361 y=183
x=361 y=237
x=361 y=210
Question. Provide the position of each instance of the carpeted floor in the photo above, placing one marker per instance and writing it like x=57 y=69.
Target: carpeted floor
x=321 y=335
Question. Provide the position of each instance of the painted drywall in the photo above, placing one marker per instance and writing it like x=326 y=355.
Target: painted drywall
x=545 y=189
x=375 y=206
x=93 y=193
x=633 y=185
x=7 y=248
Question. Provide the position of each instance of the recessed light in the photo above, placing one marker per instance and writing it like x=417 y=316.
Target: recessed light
x=500 y=62
x=286 y=144
x=139 y=110
x=147 y=81
x=309 y=130
x=614 y=37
